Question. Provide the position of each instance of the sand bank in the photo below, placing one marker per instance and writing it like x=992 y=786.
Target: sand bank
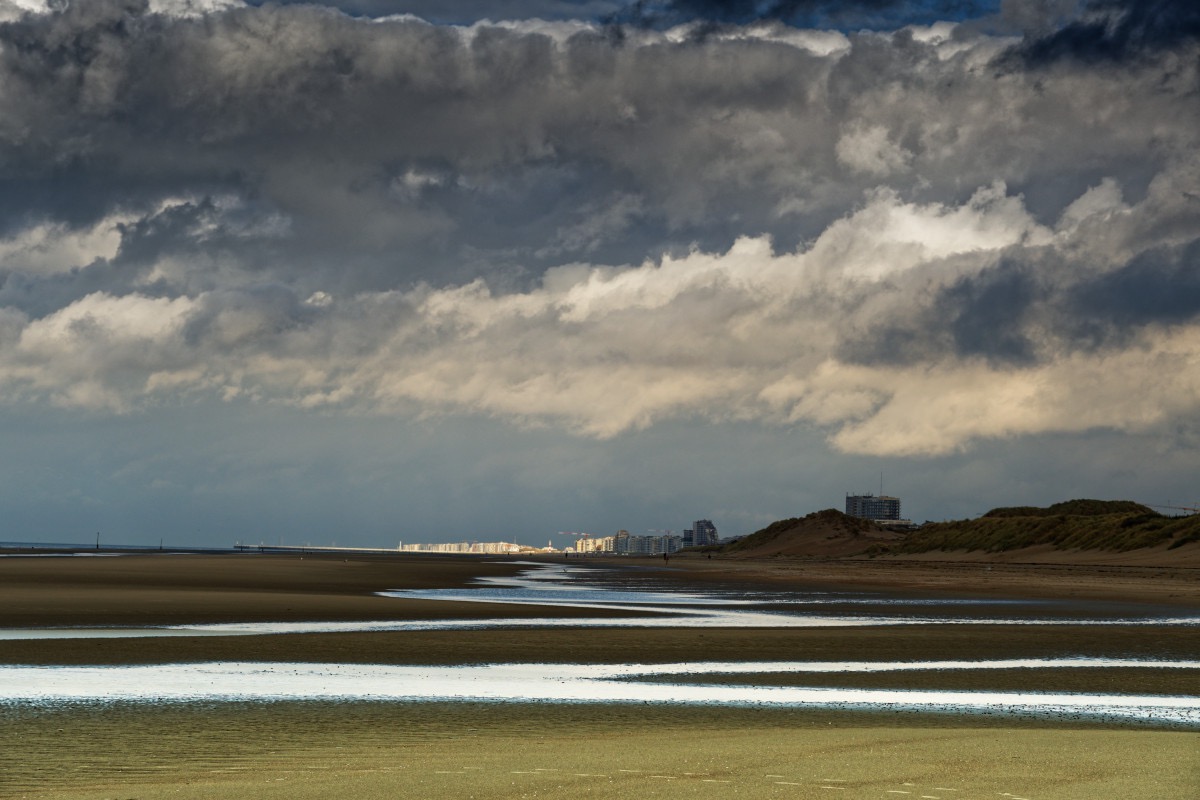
x=310 y=750
x=1049 y=576
x=434 y=751
x=154 y=589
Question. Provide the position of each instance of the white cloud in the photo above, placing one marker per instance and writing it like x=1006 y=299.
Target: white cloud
x=121 y=326
x=743 y=334
x=521 y=222
x=11 y=10
x=192 y=8
x=1099 y=203
x=869 y=149
x=48 y=247
x=101 y=352
x=409 y=185
x=888 y=236
x=818 y=42
x=945 y=408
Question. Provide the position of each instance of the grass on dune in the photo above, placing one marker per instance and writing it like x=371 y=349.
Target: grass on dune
x=1117 y=526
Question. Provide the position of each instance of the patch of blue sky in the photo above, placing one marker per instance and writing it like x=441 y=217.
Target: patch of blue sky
x=875 y=15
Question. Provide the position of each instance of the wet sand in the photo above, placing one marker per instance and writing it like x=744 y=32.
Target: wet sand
x=628 y=645
x=163 y=590
x=456 y=750
x=1165 y=579
x=154 y=589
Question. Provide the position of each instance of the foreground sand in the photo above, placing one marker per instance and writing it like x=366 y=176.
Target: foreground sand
x=461 y=750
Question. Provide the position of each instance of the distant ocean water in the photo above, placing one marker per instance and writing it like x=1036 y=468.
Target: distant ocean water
x=109 y=546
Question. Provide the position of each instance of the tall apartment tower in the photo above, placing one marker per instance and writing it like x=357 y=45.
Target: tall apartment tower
x=869 y=506
x=703 y=532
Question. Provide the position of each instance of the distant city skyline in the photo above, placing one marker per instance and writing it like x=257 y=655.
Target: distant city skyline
x=377 y=270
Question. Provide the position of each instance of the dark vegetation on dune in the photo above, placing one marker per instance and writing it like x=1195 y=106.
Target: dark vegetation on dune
x=1074 y=508
x=1099 y=525
x=828 y=520
x=1111 y=525
x=821 y=534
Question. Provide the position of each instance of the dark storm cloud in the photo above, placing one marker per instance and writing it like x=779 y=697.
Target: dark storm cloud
x=850 y=14
x=984 y=315
x=201 y=232
x=383 y=138
x=226 y=319
x=845 y=14
x=461 y=12
x=1114 y=31
x=1007 y=316
x=546 y=223
x=406 y=150
x=1158 y=287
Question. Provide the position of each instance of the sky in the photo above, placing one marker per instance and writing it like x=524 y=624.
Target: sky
x=365 y=272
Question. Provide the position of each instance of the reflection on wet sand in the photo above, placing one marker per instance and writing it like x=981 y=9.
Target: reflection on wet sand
x=554 y=586
x=619 y=683
x=220 y=711
x=575 y=683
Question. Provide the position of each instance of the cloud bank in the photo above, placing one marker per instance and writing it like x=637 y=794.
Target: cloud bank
x=913 y=239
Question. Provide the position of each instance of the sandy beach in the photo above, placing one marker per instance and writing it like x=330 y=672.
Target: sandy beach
x=1158 y=576
x=306 y=749
x=462 y=751
x=154 y=588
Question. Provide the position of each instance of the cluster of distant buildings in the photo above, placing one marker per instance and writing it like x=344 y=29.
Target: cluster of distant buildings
x=882 y=509
x=482 y=548
x=702 y=532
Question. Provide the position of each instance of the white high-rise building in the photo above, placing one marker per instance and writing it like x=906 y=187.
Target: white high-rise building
x=869 y=506
x=703 y=533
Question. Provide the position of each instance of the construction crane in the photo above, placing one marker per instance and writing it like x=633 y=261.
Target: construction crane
x=576 y=535
x=581 y=545
x=656 y=530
